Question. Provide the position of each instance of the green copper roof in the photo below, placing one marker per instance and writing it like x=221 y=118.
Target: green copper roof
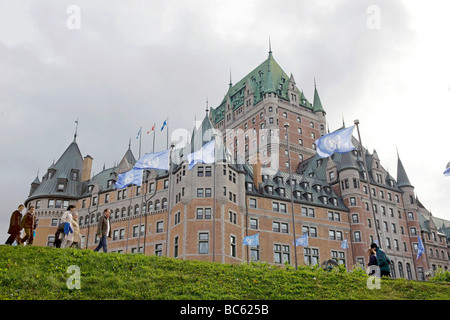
x=317 y=106
x=268 y=77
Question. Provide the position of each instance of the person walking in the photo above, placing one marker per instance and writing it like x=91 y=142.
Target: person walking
x=29 y=225
x=372 y=261
x=383 y=260
x=104 y=230
x=14 y=226
x=67 y=219
x=76 y=232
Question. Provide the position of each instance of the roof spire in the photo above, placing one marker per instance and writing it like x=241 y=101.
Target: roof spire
x=317 y=104
x=76 y=131
x=231 y=83
x=129 y=144
x=270 y=47
x=207 y=105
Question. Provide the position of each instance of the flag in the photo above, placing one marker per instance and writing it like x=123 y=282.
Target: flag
x=158 y=160
x=139 y=133
x=344 y=244
x=204 y=155
x=420 y=248
x=302 y=241
x=164 y=124
x=251 y=240
x=339 y=141
x=152 y=129
x=134 y=176
x=447 y=170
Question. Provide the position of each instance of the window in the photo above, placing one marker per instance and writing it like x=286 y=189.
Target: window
x=252 y=203
x=338 y=256
x=357 y=236
x=308 y=212
x=281 y=253
x=233 y=245
x=203 y=243
x=160 y=227
x=200 y=193
x=208 y=172
x=54 y=222
x=311 y=256
x=233 y=217
x=177 y=218
x=175 y=247
x=253 y=223
x=158 y=249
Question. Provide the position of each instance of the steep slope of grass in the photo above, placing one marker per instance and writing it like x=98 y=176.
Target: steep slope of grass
x=42 y=273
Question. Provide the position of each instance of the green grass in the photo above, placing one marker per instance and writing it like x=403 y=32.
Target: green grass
x=41 y=273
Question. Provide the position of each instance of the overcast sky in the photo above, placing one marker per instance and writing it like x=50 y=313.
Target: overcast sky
x=133 y=63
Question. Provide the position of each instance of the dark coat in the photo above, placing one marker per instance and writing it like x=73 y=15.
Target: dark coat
x=383 y=260
x=29 y=221
x=373 y=260
x=14 y=223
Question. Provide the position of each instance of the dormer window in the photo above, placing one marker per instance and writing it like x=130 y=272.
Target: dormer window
x=281 y=192
x=61 y=187
x=74 y=174
x=90 y=188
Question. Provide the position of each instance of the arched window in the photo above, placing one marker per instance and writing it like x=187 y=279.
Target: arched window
x=136 y=209
x=164 y=203
x=408 y=271
x=157 y=205
x=400 y=270
x=150 y=206
x=124 y=212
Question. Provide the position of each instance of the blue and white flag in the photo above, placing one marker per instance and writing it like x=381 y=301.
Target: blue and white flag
x=139 y=133
x=251 y=240
x=420 y=248
x=302 y=241
x=339 y=141
x=204 y=155
x=447 y=170
x=134 y=176
x=158 y=160
x=344 y=244
x=164 y=124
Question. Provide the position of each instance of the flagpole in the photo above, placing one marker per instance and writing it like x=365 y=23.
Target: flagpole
x=129 y=216
x=154 y=124
x=368 y=182
x=214 y=203
x=168 y=198
x=140 y=140
x=286 y=126
x=167 y=125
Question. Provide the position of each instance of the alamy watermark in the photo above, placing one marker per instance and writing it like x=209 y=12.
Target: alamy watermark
x=74 y=281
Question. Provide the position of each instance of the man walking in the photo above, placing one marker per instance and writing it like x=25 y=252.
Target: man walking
x=29 y=225
x=383 y=261
x=104 y=230
x=14 y=226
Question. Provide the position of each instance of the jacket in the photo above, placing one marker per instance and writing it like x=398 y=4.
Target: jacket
x=76 y=231
x=103 y=226
x=29 y=221
x=373 y=260
x=14 y=223
x=383 y=260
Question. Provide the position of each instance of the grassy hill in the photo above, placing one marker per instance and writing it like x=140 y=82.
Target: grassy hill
x=42 y=273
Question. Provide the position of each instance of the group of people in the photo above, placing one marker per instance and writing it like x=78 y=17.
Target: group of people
x=19 y=222
x=378 y=257
x=68 y=233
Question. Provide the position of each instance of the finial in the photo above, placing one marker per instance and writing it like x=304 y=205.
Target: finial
x=270 y=46
x=129 y=144
x=76 y=131
x=231 y=83
x=343 y=122
x=207 y=105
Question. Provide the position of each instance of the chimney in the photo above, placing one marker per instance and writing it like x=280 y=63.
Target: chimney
x=87 y=168
x=257 y=178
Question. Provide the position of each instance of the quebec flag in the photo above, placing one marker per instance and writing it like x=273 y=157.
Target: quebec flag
x=204 y=155
x=302 y=241
x=158 y=160
x=134 y=176
x=447 y=170
x=339 y=141
x=251 y=240
x=420 y=248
